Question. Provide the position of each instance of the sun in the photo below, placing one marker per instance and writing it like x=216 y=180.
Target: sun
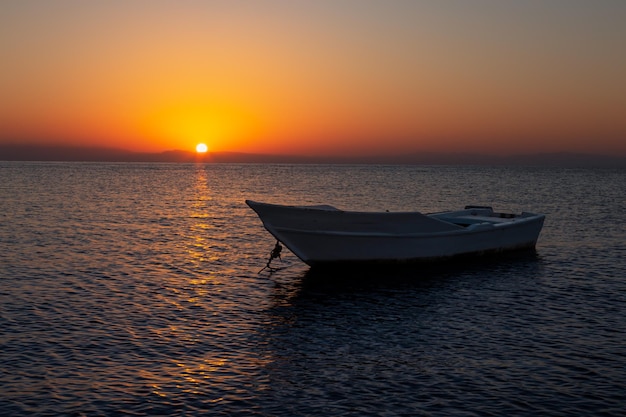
x=201 y=148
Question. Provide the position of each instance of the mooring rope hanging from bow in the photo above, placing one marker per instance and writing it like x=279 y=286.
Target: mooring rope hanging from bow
x=275 y=253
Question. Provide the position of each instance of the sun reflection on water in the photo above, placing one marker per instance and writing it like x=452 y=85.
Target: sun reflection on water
x=215 y=348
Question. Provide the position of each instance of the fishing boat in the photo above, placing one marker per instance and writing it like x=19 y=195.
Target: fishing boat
x=323 y=235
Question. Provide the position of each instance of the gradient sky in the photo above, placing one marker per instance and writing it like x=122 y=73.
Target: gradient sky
x=316 y=77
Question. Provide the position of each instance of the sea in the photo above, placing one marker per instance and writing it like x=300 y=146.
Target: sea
x=139 y=290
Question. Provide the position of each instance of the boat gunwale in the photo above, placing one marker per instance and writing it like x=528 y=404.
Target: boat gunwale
x=434 y=215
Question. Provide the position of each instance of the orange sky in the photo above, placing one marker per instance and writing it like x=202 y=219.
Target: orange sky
x=326 y=77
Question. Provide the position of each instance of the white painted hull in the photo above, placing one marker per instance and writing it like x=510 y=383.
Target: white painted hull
x=324 y=235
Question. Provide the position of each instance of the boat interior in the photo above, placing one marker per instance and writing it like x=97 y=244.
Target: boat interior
x=472 y=215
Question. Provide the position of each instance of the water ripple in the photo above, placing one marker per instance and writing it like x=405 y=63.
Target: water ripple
x=134 y=290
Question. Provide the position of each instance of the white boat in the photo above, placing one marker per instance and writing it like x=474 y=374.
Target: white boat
x=321 y=235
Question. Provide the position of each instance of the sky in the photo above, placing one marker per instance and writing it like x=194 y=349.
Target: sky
x=336 y=77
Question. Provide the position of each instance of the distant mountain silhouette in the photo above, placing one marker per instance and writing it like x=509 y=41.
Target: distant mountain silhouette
x=87 y=154
x=100 y=154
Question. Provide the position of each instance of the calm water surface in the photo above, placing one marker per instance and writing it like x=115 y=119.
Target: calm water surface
x=133 y=289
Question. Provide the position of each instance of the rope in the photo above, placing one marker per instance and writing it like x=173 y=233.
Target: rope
x=275 y=253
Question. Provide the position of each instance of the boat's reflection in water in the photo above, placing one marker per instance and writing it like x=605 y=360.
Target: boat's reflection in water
x=333 y=332
x=346 y=277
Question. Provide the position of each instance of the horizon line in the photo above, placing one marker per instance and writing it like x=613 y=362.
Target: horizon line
x=77 y=153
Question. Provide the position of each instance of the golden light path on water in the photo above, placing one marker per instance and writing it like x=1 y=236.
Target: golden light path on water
x=200 y=290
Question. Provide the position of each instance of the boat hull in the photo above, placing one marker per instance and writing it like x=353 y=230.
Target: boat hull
x=389 y=237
